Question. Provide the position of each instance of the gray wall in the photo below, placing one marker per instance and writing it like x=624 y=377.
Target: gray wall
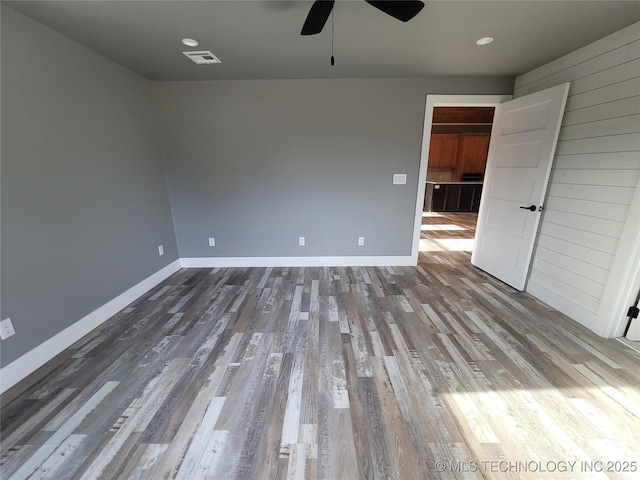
x=256 y=164
x=84 y=199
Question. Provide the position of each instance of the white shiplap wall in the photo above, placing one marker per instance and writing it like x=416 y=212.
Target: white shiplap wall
x=594 y=176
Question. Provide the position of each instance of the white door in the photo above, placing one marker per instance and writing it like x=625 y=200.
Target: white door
x=522 y=146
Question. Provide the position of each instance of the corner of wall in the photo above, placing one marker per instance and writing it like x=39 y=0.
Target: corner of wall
x=624 y=277
x=28 y=363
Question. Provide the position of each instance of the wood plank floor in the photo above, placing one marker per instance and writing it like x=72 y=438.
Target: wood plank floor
x=435 y=371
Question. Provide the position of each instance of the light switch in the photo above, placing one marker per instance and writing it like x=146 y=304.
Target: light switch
x=399 y=178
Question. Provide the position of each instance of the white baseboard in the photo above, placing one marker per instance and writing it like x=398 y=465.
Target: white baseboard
x=212 y=262
x=28 y=363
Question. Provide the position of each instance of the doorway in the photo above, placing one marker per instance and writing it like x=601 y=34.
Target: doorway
x=432 y=102
x=458 y=151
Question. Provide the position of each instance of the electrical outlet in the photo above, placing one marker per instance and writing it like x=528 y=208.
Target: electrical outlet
x=6 y=329
x=160 y=250
x=212 y=242
x=301 y=241
x=399 y=178
x=360 y=241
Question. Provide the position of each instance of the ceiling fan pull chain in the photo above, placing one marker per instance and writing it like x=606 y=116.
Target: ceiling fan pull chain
x=333 y=14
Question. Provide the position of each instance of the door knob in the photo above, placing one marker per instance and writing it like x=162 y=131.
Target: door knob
x=533 y=208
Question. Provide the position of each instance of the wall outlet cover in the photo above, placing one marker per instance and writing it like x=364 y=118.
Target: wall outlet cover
x=360 y=241
x=6 y=329
x=160 y=250
x=212 y=242
x=301 y=241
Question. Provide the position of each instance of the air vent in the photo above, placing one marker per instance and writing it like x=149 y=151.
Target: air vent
x=202 y=58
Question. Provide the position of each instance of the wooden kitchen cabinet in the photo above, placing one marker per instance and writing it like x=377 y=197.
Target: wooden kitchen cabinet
x=436 y=147
x=474 y=150
x=462 y=153
x=444 y=150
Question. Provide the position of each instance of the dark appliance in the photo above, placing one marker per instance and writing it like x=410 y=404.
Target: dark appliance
x=471 y=177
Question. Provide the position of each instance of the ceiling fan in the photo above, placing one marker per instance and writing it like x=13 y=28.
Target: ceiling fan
x=403 y=10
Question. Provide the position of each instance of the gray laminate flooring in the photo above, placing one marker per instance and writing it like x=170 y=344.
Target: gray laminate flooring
x=435 y=371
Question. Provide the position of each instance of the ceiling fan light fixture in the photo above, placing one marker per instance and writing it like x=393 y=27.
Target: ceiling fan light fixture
x=484 y=41
x=190 y=42
x=403 y=10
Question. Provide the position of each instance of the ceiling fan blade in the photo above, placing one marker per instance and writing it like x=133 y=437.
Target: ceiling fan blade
x=400 y=9
x=317 y=17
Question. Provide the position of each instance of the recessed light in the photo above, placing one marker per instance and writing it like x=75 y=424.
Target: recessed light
x=484 y=41
x=190 y=42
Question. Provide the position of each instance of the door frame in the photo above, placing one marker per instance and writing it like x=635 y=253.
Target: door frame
x=441 y=101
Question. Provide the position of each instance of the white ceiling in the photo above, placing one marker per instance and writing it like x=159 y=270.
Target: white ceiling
x=261 y=39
